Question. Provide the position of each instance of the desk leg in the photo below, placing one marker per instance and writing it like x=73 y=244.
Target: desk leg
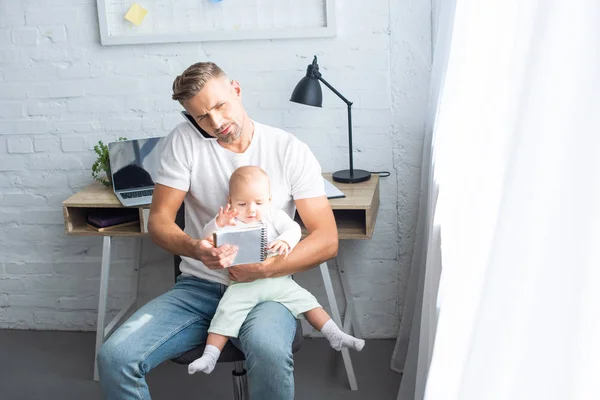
x=135 y=278
x=350 y=319
x=103 y=332
x=102 y=297
x=338 y=320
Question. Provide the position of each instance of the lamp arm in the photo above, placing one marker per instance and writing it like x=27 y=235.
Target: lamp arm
x=350 y=140
x=349 y=104
x=318 y=75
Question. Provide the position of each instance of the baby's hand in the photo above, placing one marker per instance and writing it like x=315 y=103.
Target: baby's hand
x=280 y=247
x=227 y=217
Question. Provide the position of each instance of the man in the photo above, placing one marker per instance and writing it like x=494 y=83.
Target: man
x=195 y=171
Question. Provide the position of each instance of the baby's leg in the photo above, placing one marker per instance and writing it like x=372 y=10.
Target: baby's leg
x=321 y=321
x=212 y=351
x=233 y=308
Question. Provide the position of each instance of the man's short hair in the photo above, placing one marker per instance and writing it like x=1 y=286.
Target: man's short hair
x=193 y=79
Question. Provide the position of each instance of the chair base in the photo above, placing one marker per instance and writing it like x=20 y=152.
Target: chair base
x=240 y=382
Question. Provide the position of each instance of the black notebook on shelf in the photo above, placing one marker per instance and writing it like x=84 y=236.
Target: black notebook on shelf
x=250 y=239
x=105 y=217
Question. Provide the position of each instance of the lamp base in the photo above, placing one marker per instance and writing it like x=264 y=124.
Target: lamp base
x=358 y=175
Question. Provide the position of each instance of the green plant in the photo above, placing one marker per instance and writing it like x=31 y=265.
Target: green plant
x=102 y=164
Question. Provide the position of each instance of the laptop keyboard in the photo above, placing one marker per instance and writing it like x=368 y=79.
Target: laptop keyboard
x=141 y=193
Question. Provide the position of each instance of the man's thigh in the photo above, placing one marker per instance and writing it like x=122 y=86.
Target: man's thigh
x=269 y=325
x=169 y=325
x=266 y=339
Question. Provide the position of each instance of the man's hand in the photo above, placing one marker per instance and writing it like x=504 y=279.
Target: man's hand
x=251 y=272
x=214 y=257
x=227 y=217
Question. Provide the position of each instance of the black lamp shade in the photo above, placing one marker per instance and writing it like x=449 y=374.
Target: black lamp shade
x=308 y=92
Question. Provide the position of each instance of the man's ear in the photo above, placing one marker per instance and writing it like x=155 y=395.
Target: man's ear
x=236 y=88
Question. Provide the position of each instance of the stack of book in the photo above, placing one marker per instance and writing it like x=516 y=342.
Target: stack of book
x=105 y=219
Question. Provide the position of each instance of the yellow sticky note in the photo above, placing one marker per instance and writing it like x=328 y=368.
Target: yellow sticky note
x=136 y=14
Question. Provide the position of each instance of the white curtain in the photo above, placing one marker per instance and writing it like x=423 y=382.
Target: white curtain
x=516 y=314
x=419 y=315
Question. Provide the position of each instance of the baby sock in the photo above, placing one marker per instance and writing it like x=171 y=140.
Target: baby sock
x=338 y=339
x=207 y=362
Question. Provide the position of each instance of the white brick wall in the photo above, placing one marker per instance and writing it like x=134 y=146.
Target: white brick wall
x=61 y=92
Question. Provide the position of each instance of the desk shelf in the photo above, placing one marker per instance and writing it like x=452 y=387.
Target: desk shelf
x=355 y=214
x=93 y=197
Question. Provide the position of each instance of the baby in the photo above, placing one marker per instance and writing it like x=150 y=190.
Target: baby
x=249 y=202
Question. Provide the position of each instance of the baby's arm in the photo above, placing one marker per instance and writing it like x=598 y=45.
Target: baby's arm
x=210 y=228
x=289 y=232
x=224 y=218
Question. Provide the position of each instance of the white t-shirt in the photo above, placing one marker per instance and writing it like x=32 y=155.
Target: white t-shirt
x=203 y=167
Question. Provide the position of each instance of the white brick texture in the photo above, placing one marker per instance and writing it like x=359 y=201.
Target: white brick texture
x=61 y=92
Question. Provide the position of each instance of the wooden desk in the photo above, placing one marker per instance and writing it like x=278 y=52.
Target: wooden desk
x=355 y=216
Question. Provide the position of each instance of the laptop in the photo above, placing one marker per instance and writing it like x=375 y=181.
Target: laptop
x=134 y=167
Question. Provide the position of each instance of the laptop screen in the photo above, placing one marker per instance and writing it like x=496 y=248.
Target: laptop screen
x=134 y=163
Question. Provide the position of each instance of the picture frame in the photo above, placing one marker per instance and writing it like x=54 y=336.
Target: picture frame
x=115 y=30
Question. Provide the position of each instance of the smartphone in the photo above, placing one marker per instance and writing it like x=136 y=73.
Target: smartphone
x=203 y=134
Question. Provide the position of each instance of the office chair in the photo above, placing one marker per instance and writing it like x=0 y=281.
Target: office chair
x=230 y=353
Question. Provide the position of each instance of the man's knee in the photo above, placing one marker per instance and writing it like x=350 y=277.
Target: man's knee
x=115 y=356
x=270 y=339
x=271 y=346
x=108 y=355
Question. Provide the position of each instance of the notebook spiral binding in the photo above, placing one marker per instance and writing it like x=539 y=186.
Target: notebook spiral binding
x=264 y=242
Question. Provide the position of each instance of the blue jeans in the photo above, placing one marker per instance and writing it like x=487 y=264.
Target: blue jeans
x=177 y=321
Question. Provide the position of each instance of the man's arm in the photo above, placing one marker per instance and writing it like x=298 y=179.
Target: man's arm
x=163 y=230
x=320 y=245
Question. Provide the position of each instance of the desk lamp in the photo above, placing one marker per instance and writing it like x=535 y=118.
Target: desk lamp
x=308 y=92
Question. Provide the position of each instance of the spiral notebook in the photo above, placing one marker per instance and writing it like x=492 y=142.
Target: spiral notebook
x=250 y=239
